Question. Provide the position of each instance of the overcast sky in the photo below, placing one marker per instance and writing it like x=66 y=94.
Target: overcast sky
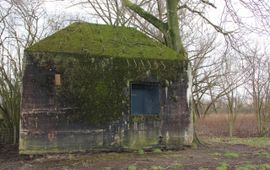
x=64 y=7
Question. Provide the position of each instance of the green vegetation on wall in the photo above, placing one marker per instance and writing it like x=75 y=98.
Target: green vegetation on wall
x=97 y=64
x=98 y=88
x=104 y=40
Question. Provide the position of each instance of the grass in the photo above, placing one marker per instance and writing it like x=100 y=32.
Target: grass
x=253 y=166
x=222 y=166
x=176 y=166
x=107 y=168
x=264 y=167
x=157 y=167
x=246 y=167
x=132 y=167
x=231 y=155
x=141 y=152
x=260 y=142
x=86 y=159
x=157 y=150
x=266 y=154
x=216 y=154
x=202 y=168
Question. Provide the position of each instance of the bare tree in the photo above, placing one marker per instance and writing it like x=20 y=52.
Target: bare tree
x=258 y=87
x=22 y=23
x=232 y=78
x=205 y=40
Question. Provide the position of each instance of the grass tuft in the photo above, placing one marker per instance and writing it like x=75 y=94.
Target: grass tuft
x=231 y=155
x=141 y=152
x=176 y=166
x=202 y=168
x=246 y=167
x=215 y=154
x=223 y=166
x=154 y=167
x=157 y=150
x=132 y=167
x=266 y=154
x=264 y=167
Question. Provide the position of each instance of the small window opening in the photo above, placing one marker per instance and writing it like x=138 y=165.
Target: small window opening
x=145 y=98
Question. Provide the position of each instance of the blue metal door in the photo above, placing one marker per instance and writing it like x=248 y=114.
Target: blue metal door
x=145 y=98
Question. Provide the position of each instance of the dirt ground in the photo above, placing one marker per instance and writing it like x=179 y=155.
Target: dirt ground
x=220 y=153
x=213 y=155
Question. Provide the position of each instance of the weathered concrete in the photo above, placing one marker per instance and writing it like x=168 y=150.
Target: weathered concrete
x=91 y=109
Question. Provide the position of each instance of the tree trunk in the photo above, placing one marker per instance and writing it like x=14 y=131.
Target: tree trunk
x=174 y=39
x=14 y=134
x=231 y=128
x=170 y=30
x=171 y=33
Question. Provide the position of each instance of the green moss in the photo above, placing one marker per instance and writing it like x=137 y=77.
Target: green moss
x=98 y=88
x=104 y=40
x=137 y=140
x=143 y=118
x=101 y=89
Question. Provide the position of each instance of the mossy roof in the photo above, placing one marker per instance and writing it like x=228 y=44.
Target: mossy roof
x=104 y=40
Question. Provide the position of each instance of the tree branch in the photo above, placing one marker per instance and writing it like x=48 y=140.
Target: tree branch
x=163 y=27
x=216 y=27
x=208 y=3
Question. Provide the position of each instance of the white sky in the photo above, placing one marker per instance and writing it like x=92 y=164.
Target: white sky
x=60 y=6
x=65 y=8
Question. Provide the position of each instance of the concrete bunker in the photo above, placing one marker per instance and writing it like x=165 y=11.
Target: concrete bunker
x=91 y=87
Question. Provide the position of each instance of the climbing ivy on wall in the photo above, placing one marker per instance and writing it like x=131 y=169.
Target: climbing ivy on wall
x=95 y=89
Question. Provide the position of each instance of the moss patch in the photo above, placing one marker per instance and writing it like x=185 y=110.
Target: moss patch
x=98 y=88
x=143 y=118
x=104 y=40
